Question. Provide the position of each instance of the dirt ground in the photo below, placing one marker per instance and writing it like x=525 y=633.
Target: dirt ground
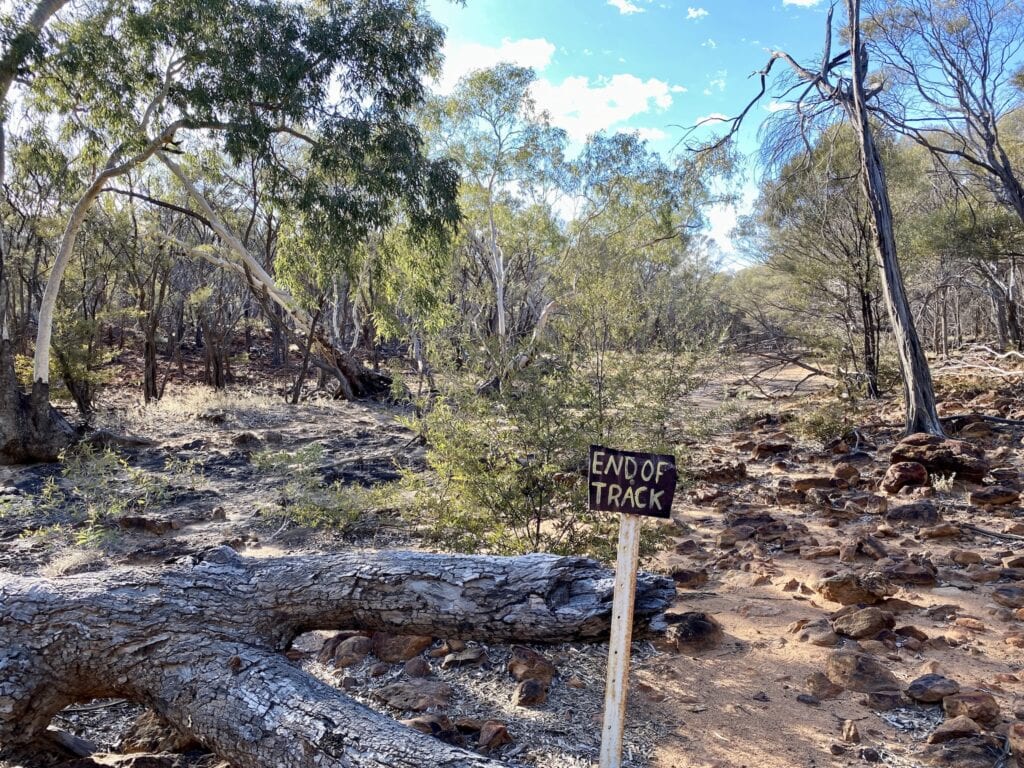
x=220 y=463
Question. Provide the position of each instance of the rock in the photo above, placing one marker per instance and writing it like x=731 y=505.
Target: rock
x=918 y=513
x=352 y=651
x=1015 y=738
x=152 y=734
x=977 y=705
x=819 y=686
x=940 y=531
x=820 y=633
x=807 y=483
x=415 y=695
x=767 y=448
x=846 y=471
x=246 y=440
x=1013 y=561
x=469 y=657
x=957 y=728
x=1010 y=597
x=883 y=701
x=933 y=688
x=904 y=474
x=530 y=693
x=692 y=631
x=731 y=536
x=808 y=700
x=943 y=456
x=398 y=648
x=528 y=664
x=493 y=734
x=974 y=752
x=438 y=726
x=689 y=578
x=964 y=557
x=866 y=622
x=909 y=572
x=719 y=472
x=993 y=495
x=417 y=666
x=850 y=733
x=851 y=589
x=859 y=672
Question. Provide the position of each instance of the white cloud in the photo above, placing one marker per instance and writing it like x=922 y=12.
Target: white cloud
x=801 y=3
x=717 y=82
x=778 y=106
x=709 y=43
x=714 y=117
x=582 y=106
x=650 y=134
x=625 y=7
x=462 y=58
x=696 y=13
x=678 y=89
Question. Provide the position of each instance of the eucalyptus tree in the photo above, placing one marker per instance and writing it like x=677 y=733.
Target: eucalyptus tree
x=834 y=88
x=511 y=158
x=949 y=79
x=128 y=80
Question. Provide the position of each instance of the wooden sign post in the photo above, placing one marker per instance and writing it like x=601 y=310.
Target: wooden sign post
x=633 y=484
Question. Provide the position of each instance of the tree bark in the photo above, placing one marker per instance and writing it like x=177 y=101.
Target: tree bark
x=918 y=391
x=201 y=644
x=30 y=428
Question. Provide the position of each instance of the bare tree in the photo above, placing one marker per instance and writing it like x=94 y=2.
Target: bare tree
x=839 y=84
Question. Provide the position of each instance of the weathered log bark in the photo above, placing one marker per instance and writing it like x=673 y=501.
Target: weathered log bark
x=201 y=643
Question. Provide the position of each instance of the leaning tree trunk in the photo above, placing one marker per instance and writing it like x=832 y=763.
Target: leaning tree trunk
x=918 y=392
x=202 y=644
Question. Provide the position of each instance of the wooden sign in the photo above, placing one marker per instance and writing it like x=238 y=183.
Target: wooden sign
x=631 y=483
x=635 y=484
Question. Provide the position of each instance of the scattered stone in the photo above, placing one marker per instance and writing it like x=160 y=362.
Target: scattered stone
x=850 y=733
x=530 y=693
x=399 y=648
x=904 y=474
x=846 y=471
x=883 y=701
x=943 y=456
x=1015 y=738
x=819 y=686
x=993 y=495
x=964 y=557
x=493 y=734
x=808 y=699
x=859 y=672
x=470 y=657
x=909 y=572
x=528 y=664
x=765 y=449
x=851 y=589
x=932 y=688
x=438 y=726
x=918 y=513
x=110 y=760
x=940 y=531
x=1010 y=597
x=1013 y=561
x=957 y=728
x=977 y=705
x=867 y=622
x=693 y=631
x=720 y=472
x=819 y=633
x=689 y=578
x=974 y=752
x=352 y=651
x=415 y=695
x=417 y=666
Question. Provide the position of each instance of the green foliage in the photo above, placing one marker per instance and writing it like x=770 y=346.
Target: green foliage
x=97 y=486
x=830 y=421
x=305 y=499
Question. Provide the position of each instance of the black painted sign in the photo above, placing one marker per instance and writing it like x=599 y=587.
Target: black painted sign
x=631 y=483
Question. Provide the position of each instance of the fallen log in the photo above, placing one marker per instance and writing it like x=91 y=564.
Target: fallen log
x=202 y=643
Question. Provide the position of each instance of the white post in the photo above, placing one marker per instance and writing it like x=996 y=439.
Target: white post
x=619 y=644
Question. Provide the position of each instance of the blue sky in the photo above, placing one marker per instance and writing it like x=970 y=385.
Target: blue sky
x=644 y=65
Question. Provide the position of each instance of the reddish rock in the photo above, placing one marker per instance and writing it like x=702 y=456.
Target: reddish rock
x=917 y=513
x=904 y=474
x=993 y=495
x=977 y=705
x=352 y=651
x=1010 y=597
x=943 y=456
x=415 y=695
x=867 y=622
x=1015 y=737
x=767 y=448
x=399 y=648
x=530 y=693
x=850 y=589
x=932 y=688
x=957 y=728
x=859 y=672
x=528 y=664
